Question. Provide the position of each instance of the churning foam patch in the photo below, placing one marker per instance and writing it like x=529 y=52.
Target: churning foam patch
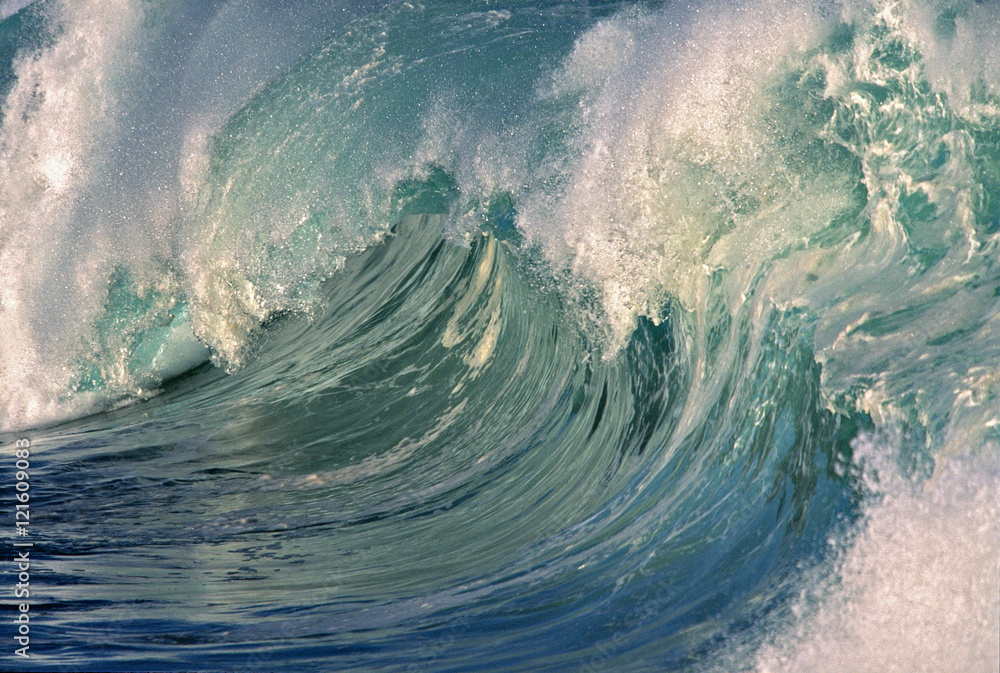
x=55 y=118
x=676 y=132
x=918 y=588
x=100 y=159
x=954 y=43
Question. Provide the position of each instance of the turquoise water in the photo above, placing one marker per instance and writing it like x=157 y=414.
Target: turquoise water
x=468 y=336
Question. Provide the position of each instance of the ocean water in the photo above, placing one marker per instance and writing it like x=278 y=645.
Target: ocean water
x=536 y=336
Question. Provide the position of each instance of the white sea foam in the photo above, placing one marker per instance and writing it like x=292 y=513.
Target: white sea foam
x=917 y=589
x=62 y=107
x=677 y=135
x=952 y=37
x=105 y=142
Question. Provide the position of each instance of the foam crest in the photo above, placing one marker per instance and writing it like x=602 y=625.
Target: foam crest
x=106 y=147
x=55 y=119
x=686 y=155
